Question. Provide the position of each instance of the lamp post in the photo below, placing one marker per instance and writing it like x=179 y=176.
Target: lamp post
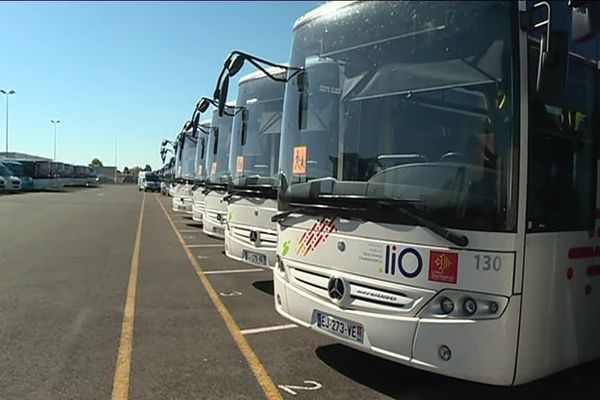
x=55 y=122
x=7 y=93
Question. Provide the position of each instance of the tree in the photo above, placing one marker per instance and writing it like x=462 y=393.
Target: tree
x=148 y=168
x=96 y=163
x=126 y=170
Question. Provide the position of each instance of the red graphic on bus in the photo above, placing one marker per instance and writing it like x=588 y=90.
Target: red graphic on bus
x=316 y=235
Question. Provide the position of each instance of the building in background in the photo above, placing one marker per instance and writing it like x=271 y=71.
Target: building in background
x=105 y=174
x=22 y=156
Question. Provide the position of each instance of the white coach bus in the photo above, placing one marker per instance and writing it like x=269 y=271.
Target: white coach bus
x=200 y=182
x=214 y=217
x=185 y=155
x=438 y=190
x=250 y=235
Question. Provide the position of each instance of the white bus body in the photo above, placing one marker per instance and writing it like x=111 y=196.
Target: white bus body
x=185 y=156
x=481 y=152
x=214 y=218
x=250 y=235
x=201 y=152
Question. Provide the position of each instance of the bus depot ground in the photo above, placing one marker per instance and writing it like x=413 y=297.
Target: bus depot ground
x=107 y=293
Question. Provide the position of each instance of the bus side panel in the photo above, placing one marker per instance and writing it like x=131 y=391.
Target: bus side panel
x=559 y=316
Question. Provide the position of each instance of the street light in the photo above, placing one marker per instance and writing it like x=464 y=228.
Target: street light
x=4 y=92
x=57 y=121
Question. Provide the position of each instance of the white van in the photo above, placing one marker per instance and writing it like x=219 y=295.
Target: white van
x=148 y=181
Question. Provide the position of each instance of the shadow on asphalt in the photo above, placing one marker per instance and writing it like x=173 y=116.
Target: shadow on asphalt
x=194 y=225
x=401 y=382
x=265 y=286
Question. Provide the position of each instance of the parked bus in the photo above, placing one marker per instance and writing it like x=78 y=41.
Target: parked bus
x=186 y=156
x=438 y=196
x=40 y=171
x=57 y=172
x=217 y=161
x=250 y=235
x=9 y=182
x=20 y=171
x=200 y=165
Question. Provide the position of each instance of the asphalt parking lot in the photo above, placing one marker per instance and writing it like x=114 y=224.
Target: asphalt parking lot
x=106 y=292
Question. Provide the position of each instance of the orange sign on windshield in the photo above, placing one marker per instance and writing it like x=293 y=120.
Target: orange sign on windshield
x=299 y=166
x=239 y=164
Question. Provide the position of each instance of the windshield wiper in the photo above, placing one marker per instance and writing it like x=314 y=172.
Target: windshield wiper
x=440 y=230
x=401 y=205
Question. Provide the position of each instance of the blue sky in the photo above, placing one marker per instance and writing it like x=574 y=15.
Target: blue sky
x=130 y=71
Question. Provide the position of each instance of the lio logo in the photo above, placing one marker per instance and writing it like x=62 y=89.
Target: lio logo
x=286 y=248
x=408 y=261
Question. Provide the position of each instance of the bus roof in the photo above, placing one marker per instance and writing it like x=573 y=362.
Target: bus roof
x=321 y=11
x=259 y=74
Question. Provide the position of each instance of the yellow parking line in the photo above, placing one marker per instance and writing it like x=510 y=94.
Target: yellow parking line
x=122 y=371
x=263 y=378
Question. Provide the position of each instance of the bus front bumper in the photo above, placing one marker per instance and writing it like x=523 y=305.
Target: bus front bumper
x=237 y=249
x=481 y=350
x=182 y=204
x=197 y=211
x=213 y=226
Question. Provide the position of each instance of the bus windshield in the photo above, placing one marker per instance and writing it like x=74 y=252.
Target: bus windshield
x=16 y=168
x=4 y=170
x=256 y=133
x=416 y=106
x=201 y=150
x=217 y=159
x=152 y=178
x=188 y=156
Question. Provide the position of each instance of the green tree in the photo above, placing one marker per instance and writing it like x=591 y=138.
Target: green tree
x=126 y=170
x=148 y=168
x=96 y=163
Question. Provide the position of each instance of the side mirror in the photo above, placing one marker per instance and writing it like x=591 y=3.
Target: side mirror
x=233 y=64
x=585 y=19
x=223 y=94
x=244 y=126
x=202 y=105
x=195 y=122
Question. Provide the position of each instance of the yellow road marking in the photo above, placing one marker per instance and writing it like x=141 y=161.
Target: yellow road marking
x=263 y=378
x=122 y=371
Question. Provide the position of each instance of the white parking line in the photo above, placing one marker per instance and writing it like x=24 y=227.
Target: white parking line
x=233 y=271
x=203 y=245
x=268 y=329
x=190 y=231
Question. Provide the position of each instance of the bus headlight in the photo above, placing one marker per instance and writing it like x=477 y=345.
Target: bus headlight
x=471 y=305
x=447 y=305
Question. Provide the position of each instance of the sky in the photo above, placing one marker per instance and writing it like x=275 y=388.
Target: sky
x=128 y=73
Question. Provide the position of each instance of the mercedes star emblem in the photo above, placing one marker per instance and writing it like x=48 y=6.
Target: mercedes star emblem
x=253 y=236
x=336 y=288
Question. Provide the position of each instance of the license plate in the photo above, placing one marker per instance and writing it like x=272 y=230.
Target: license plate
x=340 y=327
x=254 y=258
x=183 y=208
x=218 y=231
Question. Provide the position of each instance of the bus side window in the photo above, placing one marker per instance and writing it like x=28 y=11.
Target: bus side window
x=562 y=159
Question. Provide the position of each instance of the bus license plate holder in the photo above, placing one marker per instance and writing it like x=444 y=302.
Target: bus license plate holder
x=340 y=327
x=254 y=258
